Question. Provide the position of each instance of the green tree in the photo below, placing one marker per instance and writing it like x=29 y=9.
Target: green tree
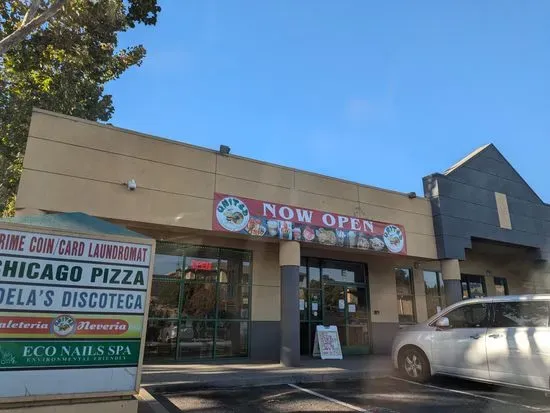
x=62 y=66
x=33 y=19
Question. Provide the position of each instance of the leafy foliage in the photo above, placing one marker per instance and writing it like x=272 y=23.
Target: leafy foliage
x=62 y=67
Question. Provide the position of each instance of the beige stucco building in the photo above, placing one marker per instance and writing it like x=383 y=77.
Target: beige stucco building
x=240 y=282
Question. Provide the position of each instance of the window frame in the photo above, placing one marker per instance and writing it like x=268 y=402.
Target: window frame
x=440 y=290
x=468 y=278
x=412 y=295
x=504 y=284
x=183 y=251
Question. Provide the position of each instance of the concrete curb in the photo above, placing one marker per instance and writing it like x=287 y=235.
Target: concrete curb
x=262 y=380
x=147 y=403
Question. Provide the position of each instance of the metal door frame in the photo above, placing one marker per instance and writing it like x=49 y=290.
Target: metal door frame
x=312 y=323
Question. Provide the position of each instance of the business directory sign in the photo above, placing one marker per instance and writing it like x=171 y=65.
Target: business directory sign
x=72 y=313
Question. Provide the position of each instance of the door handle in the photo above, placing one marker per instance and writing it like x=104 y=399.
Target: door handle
x=495 y=335
x=475 y=337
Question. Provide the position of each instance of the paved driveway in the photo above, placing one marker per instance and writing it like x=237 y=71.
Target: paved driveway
x=441 y=395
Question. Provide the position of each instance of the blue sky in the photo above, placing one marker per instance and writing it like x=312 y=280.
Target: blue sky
x=381 y=93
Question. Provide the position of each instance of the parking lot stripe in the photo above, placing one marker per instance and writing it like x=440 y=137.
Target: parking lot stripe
x=330 y=399
x=479 y=396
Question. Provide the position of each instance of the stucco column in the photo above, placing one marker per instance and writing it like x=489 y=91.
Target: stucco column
x=289 y=261
x=450 y=270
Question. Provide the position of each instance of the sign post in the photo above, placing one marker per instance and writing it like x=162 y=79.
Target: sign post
x=73 y=312
x=327 y=343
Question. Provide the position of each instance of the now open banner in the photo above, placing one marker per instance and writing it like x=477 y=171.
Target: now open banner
x=70 y=307
x=269 y=219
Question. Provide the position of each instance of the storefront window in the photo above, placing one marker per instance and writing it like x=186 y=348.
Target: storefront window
x=501 y=286
x=201 y=269
x=303 y=276
x=199 y=300
x=160 y=339
x=196 y=339
x=435 y=295
x=314 y=273
x=356 y=299
x=246 y=273
x=168 y=266
x=303 y=303
x=232 y=339
x=343 y=272
x=233 y=269
x=164 y=298
x=314 y=305
x=199 y=303
x=473 y=286
x=233 y=301
x=405 y=295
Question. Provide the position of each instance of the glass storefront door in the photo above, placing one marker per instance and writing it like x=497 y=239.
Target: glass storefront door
x=334 y=293
x=199 y=303
x=334 y=309
x=341 y=304
x=357 y=320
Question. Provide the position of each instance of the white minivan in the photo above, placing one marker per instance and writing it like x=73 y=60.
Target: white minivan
x=504 y=340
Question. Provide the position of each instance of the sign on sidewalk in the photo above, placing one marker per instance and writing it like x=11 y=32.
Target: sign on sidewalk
x=72 y=313
x=327 y=343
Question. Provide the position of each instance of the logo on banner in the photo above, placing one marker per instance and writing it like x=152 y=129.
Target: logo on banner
x=393 y=238
x=63 y=325
x=232 y=214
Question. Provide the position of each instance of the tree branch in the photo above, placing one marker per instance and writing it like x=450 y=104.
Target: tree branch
x=33 y=8
x=28 y=27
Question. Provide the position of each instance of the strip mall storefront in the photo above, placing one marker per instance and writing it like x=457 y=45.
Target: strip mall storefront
x=251 y=256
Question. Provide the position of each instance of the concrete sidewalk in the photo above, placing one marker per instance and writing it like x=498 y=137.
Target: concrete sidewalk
x=175 y=377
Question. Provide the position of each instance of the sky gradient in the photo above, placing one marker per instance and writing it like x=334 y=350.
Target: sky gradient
x=381 y=93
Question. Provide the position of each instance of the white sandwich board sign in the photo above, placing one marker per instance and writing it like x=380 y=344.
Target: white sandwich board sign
x=327 y=343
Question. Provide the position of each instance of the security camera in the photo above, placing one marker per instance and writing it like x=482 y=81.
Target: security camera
x=131 y=184
x=224 y=150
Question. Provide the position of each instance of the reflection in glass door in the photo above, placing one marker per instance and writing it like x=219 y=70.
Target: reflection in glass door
x=334 y=309
x=345 y=307
x=357 y=318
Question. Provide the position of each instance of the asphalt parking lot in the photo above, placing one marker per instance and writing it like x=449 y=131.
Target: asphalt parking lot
x=440 y=395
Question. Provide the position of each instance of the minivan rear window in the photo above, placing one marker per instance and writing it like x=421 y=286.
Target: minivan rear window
x=521 y=314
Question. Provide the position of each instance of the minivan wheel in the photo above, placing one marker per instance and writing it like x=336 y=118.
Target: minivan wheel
x=414 y=365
